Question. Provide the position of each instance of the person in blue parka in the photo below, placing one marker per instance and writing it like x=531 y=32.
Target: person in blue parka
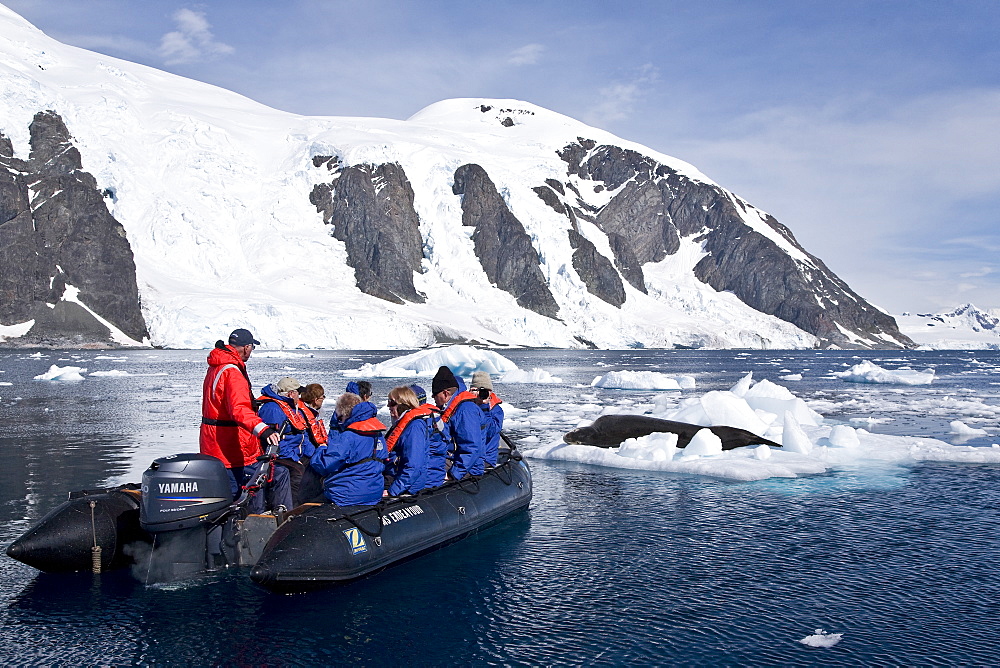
x=482 y=386
x=409 y=442
x=462 y=423
x=353 y=458
x=437 y=462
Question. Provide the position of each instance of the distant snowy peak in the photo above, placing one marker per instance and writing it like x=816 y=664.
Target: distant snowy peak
x=965 y=327
x=476 y=220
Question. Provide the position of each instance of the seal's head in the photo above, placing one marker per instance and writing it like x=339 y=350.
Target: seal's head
x=580 y=436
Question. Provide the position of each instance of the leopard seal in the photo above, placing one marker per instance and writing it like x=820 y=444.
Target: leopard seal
x=609 y=431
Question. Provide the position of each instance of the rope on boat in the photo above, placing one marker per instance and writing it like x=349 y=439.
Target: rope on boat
x=95 y=551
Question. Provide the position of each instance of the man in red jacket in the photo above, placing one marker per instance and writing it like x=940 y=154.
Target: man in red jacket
x=230 y=428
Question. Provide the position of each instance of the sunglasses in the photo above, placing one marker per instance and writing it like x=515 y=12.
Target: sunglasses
x=391 y=404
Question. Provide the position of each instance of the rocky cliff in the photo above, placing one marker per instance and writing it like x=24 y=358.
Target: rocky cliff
x=59 y=237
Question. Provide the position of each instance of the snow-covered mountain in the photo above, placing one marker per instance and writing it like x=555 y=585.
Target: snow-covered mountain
x=494 y=221
x=964 y=328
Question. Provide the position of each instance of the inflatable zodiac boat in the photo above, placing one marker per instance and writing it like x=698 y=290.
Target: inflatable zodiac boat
x=182 y=522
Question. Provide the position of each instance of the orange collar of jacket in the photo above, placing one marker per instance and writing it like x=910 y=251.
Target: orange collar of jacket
x=406 y=418
x=459 y=398
x=368 y=427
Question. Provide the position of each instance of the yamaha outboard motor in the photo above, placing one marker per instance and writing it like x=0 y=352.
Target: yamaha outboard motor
x=183 y=498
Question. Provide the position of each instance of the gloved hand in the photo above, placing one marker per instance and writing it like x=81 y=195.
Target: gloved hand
x=269 y=437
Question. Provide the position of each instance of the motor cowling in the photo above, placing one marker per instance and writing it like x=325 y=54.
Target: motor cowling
x=179 y=491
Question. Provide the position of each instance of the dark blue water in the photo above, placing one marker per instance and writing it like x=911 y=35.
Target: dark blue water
x=608 y=567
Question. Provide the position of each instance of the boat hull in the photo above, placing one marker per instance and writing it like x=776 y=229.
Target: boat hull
x=325 y=545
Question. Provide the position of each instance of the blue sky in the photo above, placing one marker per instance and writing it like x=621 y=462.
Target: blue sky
x=870 y=129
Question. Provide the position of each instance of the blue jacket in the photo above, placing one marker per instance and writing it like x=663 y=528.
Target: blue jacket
x=409 y=458
x=294 y=443
x=491 y=434
x=437 y=466
x=464 y=434
x=346 y=482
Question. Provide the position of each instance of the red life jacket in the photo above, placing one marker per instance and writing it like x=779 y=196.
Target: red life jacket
x=296 y=415
x=406 y=418
x=459 y=398
x=317 y=428
x=494 y=400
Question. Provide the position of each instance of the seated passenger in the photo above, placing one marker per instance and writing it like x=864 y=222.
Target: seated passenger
x=281 y=409
x=408 y=441
x=462 y=421
x=353 y=458
x=482 y=386
x=437 y=463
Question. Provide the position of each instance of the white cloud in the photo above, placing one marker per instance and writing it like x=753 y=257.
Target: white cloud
x=192 y=41
x=617 y=101
x=979 y=273
x=528 y=54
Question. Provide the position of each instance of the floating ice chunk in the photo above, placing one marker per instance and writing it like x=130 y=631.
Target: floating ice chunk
x=957 y=427
x=5 y=384
x=62 y=373
x=868 y=372
x=741 y=387
x=793 y=439
x=656 y=447
x=822 y=639
x=533 y=376
x=114 y=373
x=842 y=436
x=642 y=380
x=279 y=354
x=776 y=399
x=703 y=444
x=36 y=356
x=792 y=376
x=462 y=360
x=725 y=408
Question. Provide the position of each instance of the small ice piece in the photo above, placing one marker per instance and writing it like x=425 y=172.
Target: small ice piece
x=704 y=444
x=822 y=639
x=957 y=427
x=741 y=387
x=793 y=438
x=62 y=373
x=640 y=380
x=113 y=373
x=843 y=436
x=869 y=372
x=534 y=376
x=792 y=376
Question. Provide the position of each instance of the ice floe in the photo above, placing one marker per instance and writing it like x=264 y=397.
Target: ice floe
x=62 y=373
x=643 y=380
x=462 y=360
x=811 y=444
x=869 y=372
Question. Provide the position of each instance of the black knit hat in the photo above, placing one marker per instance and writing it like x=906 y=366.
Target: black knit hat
x=443 y=380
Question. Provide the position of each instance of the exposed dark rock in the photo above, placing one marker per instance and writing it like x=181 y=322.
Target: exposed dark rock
x=503 y=247
x=507 y=122
x=596 y=271
x=57 y=230
x=550 y=197
x=657 y=207
x=371 y=210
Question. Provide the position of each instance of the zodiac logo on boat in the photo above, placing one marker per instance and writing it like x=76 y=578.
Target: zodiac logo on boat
x=356 y=540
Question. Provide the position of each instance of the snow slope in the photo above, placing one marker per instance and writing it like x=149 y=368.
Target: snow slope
x=213 y=191
x=964 y=328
